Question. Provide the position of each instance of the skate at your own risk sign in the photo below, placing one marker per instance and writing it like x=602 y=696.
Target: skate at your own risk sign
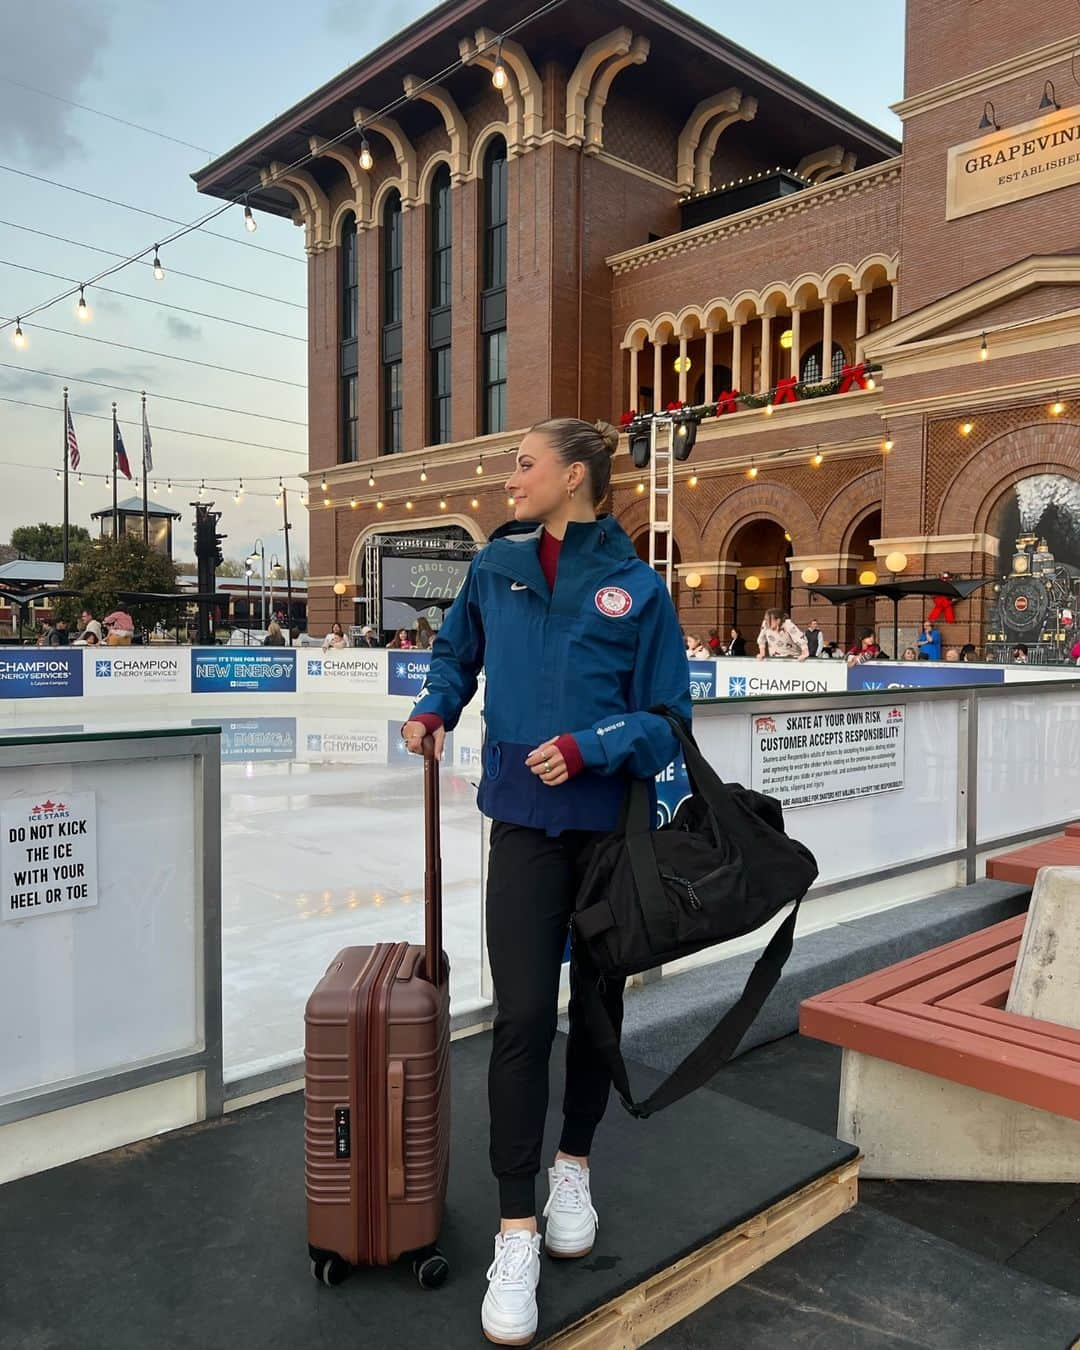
x=48 y=855
x=810 y=757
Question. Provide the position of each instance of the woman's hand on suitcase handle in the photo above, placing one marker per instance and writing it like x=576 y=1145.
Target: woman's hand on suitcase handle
x=413 y=733
x=547 y=762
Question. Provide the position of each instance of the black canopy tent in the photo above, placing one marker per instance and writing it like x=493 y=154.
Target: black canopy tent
x=900 y=590
x=27 y=593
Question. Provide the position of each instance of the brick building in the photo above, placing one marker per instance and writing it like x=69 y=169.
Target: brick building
x=611 y=207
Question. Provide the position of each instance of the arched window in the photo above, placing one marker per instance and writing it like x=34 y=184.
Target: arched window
x=493 y=294
x=439 y=323
x=350 y=299
x=811 y=363
x=393 y=396
x=721 y=380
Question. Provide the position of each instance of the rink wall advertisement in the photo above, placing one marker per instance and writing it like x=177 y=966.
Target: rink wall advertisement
x=48 y=855
x=806 y=758
x=64 y=672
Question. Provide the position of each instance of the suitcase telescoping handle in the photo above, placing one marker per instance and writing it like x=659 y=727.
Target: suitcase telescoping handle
x=433 y=937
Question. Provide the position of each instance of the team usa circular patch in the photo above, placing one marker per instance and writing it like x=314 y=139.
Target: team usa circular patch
x=614 y=601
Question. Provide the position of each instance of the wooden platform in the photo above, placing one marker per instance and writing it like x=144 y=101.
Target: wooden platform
x=650 y=1308
x=1022 y=864
x=943 y=1013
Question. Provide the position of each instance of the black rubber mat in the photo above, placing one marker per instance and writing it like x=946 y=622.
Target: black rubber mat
x=196 y=1238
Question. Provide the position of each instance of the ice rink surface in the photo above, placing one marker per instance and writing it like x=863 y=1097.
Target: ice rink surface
x=322 y=847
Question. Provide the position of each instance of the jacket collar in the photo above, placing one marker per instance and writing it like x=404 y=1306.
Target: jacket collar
x=590 y=550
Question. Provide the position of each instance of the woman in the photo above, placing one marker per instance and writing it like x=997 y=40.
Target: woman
x=696 y=649
x=863 y=649
x=274 y=636
x=425 y=634
x=910 y=654
x=929 y=641
x=578 y=637
x=401 y=641
x=779 y=637
x=737 y=644
x=335 y=639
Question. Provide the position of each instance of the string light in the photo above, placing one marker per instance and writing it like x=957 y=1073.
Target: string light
x=326 y=501
x=379 y=505
x=236 y=496
x=107 y=480
x=202 y=488
x=499 y=76
x=322 y=485
x=984 y=350
x=371 y=480
x=168 y=486
x=887 y=442
x=474 y=504
x=871 y=383
x=159 y=271
x=250 y=223
x=817 y=459
x=480 y=465
x=752 y=471
x=153 y=487
x=82 y=309
x=423 y=473
x=59 y=475
x=692 y=480
x=408 y=506
x=352 y=503
x=18 y=337
x=442 y=504
x=303 y=499
x=966 y=428
x=640 y=487
x=80 y=480
x=1057 y=407
x=367 y=159
x=768 y=409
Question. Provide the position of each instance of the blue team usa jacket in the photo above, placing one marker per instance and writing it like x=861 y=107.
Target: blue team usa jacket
x=587 y=659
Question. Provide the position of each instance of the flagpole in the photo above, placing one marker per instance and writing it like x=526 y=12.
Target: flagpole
x=145 y=511
x=288 y=565
x=65 y=545
x=115 y=471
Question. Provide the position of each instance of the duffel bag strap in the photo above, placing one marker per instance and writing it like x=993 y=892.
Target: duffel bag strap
x=713 y=1051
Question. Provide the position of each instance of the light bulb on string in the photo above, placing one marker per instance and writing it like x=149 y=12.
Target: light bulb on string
x=159 y=271
x=18 y=337
x=817 y=459
x=82 y=309
x=768 y=409
x=168 y=486
x=1057 y=407
x=752 y=471
x=499 y=77
x=202 y=488
x=408 y=506
x=367 y=159
x=107 y=480
x=984 y=349
x=250 y=223
x=153 y=487
x=480 y=465
x=423 y=473
x=442 y=504
x=352 y=503
x=640 y=487
x=59 y=475
x=303 y=499
x=371 y=480
x=379 y=505
x=322 y=485
x=474 y=504
x=80 y=480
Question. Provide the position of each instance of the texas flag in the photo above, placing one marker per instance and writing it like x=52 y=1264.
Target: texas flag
x=119 y=453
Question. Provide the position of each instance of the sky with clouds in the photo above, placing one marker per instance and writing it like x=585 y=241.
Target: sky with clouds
x=207 y=74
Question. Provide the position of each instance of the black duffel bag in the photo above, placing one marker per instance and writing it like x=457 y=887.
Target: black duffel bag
x=721 y=868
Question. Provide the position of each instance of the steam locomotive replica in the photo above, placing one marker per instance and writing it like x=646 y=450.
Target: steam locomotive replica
x=1036 y=606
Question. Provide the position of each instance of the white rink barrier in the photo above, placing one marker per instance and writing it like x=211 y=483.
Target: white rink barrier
x=127 y=672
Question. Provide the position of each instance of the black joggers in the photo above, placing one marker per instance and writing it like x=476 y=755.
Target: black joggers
x=531 y=884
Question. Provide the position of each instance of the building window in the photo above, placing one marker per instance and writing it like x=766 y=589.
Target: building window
x=349 y=291
x=439 y=320
x=811 y=363
x=495 y=381
x=493 y=294
x=391 y=324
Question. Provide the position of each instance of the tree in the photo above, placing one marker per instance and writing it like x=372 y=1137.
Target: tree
x=299 y=567
x=110 y=566
x=232 y=567
x=45 y=543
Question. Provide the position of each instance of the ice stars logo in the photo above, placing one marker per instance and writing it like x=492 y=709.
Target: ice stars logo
x=103 y=669
x=736 y=686
x=314 y=667
x=401 y=670
x=614 y=602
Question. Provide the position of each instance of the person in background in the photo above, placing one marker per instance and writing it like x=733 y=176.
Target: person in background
x=294 y=635
x=425 y=634
x=864 y=648
x=88 y=624
x=952 y=653
x=1020 y=654
x=401 y=641
x=929 y=642
x=968 y=652
x=780 y=638
x=831 y=651
x=91 y=640
x=368 y=637
x=335 y=639
x=715 y=646
x=737 y=644
x=814 y=638
x=910 y=654
x=696 y=649
x=1074 y=654
x=274 y=636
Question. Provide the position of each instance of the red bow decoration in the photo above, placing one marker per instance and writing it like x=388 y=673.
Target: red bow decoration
x=785 y=390
x=674 y=406
x=726 y=403
x=853 y=376
x=942 y=611
x=627 y=418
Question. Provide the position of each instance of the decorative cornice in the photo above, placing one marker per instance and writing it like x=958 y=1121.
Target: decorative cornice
x=1001 y=396
x=862 y=180
x=981 y=81
x=1046 y=332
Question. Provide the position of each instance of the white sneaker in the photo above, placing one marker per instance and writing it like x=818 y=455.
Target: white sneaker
x=509 y=1313
x=572 y=1221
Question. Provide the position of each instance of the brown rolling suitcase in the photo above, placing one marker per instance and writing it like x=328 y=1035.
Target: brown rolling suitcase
x=377 y=1093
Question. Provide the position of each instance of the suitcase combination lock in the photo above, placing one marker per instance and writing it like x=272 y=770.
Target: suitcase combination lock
x=342 y=1148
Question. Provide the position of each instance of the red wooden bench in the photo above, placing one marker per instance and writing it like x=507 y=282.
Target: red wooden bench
x=1022 y=864
x=944 y=1013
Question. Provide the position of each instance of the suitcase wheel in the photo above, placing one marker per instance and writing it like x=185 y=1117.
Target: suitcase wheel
x=329 y=1269
x=430 y=1269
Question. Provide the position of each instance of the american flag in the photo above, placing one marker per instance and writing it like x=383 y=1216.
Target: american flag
x=72 y=443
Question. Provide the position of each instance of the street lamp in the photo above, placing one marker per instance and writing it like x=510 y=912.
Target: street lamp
x=258 y=550
x=247 y=573
x=275 y=570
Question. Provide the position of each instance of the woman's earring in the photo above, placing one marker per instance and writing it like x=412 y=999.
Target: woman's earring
x=570 y=492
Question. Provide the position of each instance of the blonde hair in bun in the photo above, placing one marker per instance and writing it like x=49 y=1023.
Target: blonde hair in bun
x=590 y=443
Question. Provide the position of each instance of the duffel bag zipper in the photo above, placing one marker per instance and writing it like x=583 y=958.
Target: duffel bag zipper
x=695 y=902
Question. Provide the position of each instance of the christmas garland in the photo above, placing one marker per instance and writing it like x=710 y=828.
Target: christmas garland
x=790 y=390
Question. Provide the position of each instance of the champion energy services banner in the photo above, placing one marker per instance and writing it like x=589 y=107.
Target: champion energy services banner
x=243 y=670
x=52 y=672
x=922 y=675
x=352 y=670
x=135 y=670
x=407 y=672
